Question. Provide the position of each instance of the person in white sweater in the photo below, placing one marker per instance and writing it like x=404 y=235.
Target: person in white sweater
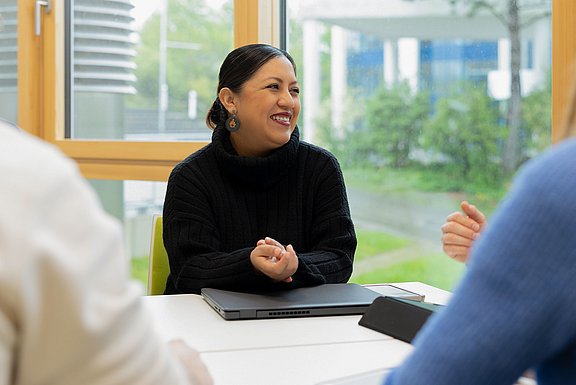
x=69 y=313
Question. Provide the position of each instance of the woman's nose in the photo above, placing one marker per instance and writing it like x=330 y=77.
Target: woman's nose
x=286 y=99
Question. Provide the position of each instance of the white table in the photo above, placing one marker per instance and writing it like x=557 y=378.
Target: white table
x=280 y=351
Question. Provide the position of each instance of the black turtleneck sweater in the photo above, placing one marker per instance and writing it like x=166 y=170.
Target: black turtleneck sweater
x=219 y=204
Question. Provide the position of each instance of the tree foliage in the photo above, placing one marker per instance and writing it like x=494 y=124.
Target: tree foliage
x=382 y=129
x=510 y=14
x=189 y=21
x=343 y=144
x=466 y=132
x=537 y=118
x=394 y=119
x=514 y=15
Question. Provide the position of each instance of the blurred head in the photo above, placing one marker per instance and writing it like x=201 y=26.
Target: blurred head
x=257 y=83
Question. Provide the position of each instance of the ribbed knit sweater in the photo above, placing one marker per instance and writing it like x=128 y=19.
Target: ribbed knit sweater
x=219 y=204
x=515 y=307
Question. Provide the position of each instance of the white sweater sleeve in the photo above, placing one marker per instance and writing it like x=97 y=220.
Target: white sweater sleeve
x=68 y=312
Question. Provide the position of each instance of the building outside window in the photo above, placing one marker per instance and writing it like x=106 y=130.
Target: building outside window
x=413 y=97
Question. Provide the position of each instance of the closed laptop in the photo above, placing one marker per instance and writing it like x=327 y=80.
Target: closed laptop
x=322 y=300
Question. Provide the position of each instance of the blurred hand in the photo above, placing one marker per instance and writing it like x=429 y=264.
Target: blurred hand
x=461 y=230
x=190 y=358
x=274 y=260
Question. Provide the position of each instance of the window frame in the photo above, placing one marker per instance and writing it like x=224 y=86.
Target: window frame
x=41 y=102
x=41 y=88
x=563 y=61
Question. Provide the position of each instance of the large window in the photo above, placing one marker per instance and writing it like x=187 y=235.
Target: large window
x=134 y=203
x=144 y=70
x=125 y=120
x=415 y=99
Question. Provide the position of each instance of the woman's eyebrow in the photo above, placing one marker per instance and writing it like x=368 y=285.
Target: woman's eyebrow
x=279 y=80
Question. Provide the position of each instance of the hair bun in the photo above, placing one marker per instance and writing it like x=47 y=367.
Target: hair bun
x=217 y=114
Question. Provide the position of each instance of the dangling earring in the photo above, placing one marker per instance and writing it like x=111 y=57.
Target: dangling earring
x=233 y=122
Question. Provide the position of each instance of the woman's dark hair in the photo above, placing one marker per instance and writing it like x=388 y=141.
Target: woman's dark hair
x=238 y=67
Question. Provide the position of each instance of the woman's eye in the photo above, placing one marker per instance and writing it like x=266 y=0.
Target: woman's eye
x=295 y=91
x=273 y=86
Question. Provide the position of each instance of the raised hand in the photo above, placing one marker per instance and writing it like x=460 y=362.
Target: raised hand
x=461 y=230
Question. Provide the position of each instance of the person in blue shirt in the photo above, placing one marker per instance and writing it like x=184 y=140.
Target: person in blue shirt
x=514 y=308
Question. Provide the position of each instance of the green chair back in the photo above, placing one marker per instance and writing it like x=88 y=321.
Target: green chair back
x=158 y=267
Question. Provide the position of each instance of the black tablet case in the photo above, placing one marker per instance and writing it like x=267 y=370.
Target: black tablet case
x=398 y=318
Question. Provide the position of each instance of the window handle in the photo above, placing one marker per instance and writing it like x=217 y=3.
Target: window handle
x=40 y=4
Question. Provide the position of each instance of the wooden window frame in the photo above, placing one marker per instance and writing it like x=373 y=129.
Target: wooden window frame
x=41 y=101
x=563 y=60
x=41 y=89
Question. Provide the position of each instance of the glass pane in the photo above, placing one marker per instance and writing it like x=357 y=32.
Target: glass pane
x=145 y=70
x=134 y=203
x=415 y=100
x=9 y=60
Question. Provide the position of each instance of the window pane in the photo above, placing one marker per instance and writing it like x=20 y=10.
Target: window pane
x=134 y=203
x=145 y=70
x=415 y=100
x=8 y=60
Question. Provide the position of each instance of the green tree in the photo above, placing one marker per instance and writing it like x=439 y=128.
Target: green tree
x=465 y=130
x=515 y=15
x=509 y=13
x=394 y=118
x=537 y=119
x=190 y=23
x=347 y=145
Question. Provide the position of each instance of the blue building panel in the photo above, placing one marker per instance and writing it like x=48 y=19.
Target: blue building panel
x=433 y=51
x=366 y=58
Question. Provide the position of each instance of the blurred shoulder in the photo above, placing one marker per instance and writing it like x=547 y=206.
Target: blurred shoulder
x=26 y=159
x=555 y=164
x=549 y=178
x=40 y=185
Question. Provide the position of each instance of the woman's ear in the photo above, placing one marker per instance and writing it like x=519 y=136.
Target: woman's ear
x=227 y=99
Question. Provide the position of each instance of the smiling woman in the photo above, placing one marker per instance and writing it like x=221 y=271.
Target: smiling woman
x=257 y=209
x=267 y=105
